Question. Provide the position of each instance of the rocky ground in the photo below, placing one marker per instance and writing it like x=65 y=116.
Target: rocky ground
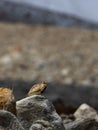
x=48 y=53
x=31 y=53
x=37 y=113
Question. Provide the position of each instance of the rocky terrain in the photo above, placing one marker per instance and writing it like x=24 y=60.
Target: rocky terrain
x=37 y=113
x=48 y=53
x=66 y=58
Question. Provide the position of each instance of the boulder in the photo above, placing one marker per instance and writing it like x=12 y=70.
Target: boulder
x=85 y=118
x=83 y=124
x=37 y=113
x=8 y=121
x=85 y=111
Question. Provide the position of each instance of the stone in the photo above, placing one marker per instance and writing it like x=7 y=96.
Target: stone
x=85 y=111
x=85 y=118
x=41 y=125
x=8 y=121
x=83 y=124
x=65 y=71
x=37 y=113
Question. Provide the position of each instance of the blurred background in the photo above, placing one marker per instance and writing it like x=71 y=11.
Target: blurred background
x=53 y=41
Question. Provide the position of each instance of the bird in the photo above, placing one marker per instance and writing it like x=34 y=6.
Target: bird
x=37 y=89
x=7 y=100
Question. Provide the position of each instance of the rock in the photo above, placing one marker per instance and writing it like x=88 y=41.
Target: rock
x=85 y=111
x=83 y=124
x=86 y=82
x=85 y=118
x=68 y=80
x=36 y=112
x=41 y=125
x=7 y=100
x=65 y=71
x=8 y=121
x=67 y=118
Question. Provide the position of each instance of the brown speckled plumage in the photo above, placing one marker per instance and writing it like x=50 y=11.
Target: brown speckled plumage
x=37 y=89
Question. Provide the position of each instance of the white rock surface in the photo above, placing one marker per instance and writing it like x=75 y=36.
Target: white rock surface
x=86 y=111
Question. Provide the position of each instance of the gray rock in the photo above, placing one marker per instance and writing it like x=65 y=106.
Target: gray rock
x=36 y=112
x=8 y=121
x=41 y=125
x=85 y=111
x=83 y=124
x=85 y=118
